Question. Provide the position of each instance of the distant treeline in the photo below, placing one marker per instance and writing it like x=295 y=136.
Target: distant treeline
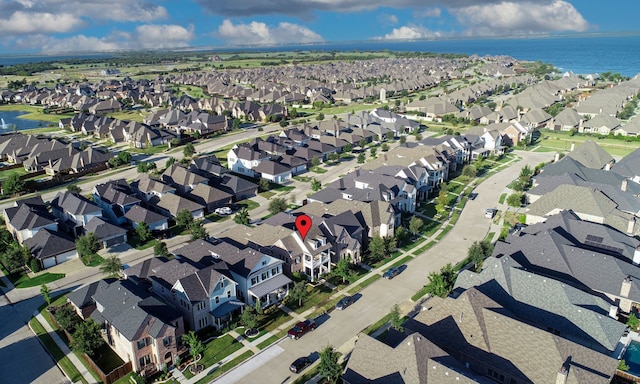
x=27 y=69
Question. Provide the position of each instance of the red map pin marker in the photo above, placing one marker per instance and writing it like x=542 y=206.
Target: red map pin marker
x=303 y=224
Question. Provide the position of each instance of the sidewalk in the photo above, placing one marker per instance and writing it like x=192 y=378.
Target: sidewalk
x=63 y=347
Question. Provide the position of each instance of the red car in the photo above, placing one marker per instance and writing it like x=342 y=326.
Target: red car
x=301 y=328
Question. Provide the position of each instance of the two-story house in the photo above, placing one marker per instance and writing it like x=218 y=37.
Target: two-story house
x=138 y=326
x=27 y=217
x=243 y=159
x=74 y=211
x=116 y=198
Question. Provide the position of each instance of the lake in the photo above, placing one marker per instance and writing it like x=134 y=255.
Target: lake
x=12 y=117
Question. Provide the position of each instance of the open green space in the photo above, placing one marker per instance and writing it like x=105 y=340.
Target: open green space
x=225 y=368
x=35 y=113
x=127 y=115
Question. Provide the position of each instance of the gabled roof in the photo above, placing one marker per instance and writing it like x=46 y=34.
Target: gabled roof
x=591 y=155
x=28 y=216
x=103 y=229
x=74 y=204
x=178 y=175
x=46 y=243
x=137 y=214
x=205 y=194
x=174 y=204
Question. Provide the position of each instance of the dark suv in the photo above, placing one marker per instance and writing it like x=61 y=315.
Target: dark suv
x=300 y=364
x=301 y=328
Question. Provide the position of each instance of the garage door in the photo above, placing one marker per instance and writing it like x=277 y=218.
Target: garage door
x=114 y=241
x=66 y=257
x=49 y=262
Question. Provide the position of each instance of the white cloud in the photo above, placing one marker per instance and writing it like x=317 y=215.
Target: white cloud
x=409 y=32
x=429 y=12
x=520 y=17
x=148 y=36
x=62 y=16
x=258 y=33
x=23 y=23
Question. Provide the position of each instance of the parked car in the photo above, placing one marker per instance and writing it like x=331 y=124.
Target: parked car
x=344 y=303
x=490 y=213
x=300 y=364
x=391 y=273
x=223 y=211
x=473 y=195
x=301 y=328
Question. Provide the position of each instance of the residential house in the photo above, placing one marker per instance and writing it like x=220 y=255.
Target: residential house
x=73 y=212
x=591 y=155
x=181 y=178
x=27 y=217
x=51 y=248
x=273 y=171
x=238 y=187
x=169 y=205
x=209 y=197
x=243 y=159
x=629 y=166
x=155 y=221
x=116 y=198
x=108 y=234
x=207 y=166
x=147 y=187
x=601 y=125
x=138 y=326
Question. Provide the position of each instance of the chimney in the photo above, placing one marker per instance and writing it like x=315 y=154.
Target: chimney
x=607 y=167
x=623 y=188
x=563 y=374
x=573 y=145
x=613 y=312
x=625 y=288
x=636 y=255
x=556 y=158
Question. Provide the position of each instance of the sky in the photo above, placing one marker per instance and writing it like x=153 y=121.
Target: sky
x=65 y=26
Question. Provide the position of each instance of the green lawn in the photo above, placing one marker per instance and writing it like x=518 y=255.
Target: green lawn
x=227 y=367
x=248 y=203
x=150 y=150
x=217 y=350
x=430 y=227
x=94 y=261
x=418 y=295
x=270 y=340
x=127 y=115
x=502 y=198
x=443 y=233
x=20 y=171
x=55 y=351
x=315 y=296
x=424 y=248
x=267 y=194
x=455 y=188
x=25 y=281
x=428 y=210
x=318 y=170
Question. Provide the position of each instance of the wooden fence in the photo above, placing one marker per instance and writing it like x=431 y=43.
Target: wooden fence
x=108 y=378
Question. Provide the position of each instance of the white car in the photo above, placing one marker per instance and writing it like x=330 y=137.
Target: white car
x=223 y=211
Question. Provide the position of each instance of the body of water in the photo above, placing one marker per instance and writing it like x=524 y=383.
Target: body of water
x=11 y=117
x=582 y=54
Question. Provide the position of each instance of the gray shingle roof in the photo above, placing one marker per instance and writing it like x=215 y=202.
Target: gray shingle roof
x=591 y=155
x=74 y=204
x=46 y=243
x=103 y=229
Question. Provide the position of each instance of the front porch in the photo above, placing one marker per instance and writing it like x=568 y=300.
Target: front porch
x=226 y=312
x=271 y=291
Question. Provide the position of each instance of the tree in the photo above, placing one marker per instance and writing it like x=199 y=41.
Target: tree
x=384 y=147
x=362 y=143
x=320 y=116
x=333 y=156
x=170 y=162
x=124 y=157
x=361 y=158
x=66 y=317
x=389 y=245
x=13 y=184
x=389 y=135
x=235 y=124
x=348 y=148
x=343 y=269
x=515 y=200
x=298 y=292
x=376 y=248
x=259 y=309
x=316 y=185
x=315 y=161
x=525 y=172
x=160 y=249
x=623 y=366
x=277 y=205
x=329 y=368
x=242 y=217
x=476 y=255
x=184 y=218
x=195 y=345
x=415 y=224
x=74 y=188
x=111 y=266
x=12 y=257
x=402 y=236
x=87 y=337
x=189 y=149
x=143 y=232
x=198 y=231
x=87 y=245
x=396 y=319
x=418 y=136
x=442 y=201
x=373 y=152
x=633 y=322
x=46 y=294
x=250 y=317
x=403 y=139
x=469 y=171
x=263 y=184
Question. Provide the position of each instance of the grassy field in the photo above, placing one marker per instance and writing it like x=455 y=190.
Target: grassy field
x=34 y=113
x=128 y=115
x=25 y=281
x=560 y=141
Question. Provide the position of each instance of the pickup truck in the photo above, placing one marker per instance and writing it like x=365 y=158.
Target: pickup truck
x=301 y=328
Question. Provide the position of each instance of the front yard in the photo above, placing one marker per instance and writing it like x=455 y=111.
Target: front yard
x=216 y=350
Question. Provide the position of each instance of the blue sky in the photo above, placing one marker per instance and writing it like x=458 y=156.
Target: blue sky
x=55 y=26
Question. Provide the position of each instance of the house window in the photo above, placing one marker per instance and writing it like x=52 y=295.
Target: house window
x=167 y=341
x=144 y=360
x=228 y=293
x=143 y=343
x=274 y=271
x=217 y=299
x=254 y=280
x=265 y=275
